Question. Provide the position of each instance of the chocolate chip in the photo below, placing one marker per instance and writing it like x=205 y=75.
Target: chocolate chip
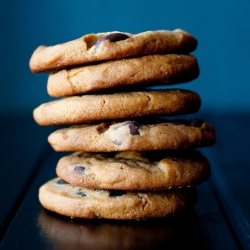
x=195 y=123
x=79 y=169
x=133 y=127
x=81 y=194
x=115 y=193
x=62 y=182
x=113 y=37
x=103 y=127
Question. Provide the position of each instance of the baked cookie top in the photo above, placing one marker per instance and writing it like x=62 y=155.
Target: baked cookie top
x=131 y=170
x=74 y=201
x=110 y=46
x=145 y=70
x=134 y=135
x=98 y=107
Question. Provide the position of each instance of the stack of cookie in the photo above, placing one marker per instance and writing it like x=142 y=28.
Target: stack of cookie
x=127 y=162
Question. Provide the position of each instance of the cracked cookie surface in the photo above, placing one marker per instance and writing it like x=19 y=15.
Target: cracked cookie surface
x=100 y=47
x=134 y=135
x=58 y=196
x=132 y=170
x=146 y=70
x=92 y=108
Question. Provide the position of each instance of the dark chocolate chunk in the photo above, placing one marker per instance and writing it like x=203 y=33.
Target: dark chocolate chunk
x=62 y=182
x=195 y=123
x=133 y=126
x=113 y=37
x=115 y=193
x=103 y=127
x=79 y=169
x=80 y=193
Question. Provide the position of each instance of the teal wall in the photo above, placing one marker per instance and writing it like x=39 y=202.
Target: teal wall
x=221 y=27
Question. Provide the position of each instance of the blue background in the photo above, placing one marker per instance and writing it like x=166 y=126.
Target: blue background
x=221 y=27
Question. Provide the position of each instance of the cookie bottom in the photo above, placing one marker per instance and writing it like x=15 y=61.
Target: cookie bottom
x=58 y=196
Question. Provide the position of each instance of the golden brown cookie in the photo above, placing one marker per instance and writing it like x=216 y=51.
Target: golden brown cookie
x=132 y=170
x=74 y=201
x=110 y=46
x=131 y=135
x=92 y=108
x=153 y=69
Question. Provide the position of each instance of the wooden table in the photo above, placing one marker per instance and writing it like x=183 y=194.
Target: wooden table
x=220 y=220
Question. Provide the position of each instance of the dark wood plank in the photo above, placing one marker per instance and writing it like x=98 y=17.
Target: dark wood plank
x=230 y=159
x=22 y=143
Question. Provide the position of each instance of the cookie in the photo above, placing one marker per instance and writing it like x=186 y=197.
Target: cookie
x=132 y=170
x=92 y=108
x=74 y=201
x=132 y=135
x=110 y=46
x=154 y=69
